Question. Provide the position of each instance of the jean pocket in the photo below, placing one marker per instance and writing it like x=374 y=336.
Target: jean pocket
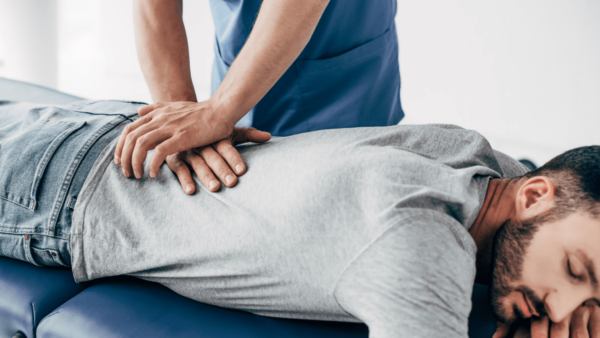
x=336 y=91
x=25 y=154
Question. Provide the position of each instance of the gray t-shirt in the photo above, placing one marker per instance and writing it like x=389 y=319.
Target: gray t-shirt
x=363 y=224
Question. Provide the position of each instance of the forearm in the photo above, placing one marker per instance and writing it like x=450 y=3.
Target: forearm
x=163 y=49
x=282 y=30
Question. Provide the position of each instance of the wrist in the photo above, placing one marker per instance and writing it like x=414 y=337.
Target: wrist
x=219 y=114
x=224 y=110
x=188 y=95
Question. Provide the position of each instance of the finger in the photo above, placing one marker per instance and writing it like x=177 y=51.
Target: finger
x=523 y=331
x=205 y=175
x=149 y=108
x=501 y=330
x=181 y=169
x=560 y=330
x=143 y=144
x=160 y=153
x=126 y=131
x=231 y=156
x=540 y=327
x=249 y=134
x=218 y=166
x=594 y=321
x=579 y=322
x=129 y=146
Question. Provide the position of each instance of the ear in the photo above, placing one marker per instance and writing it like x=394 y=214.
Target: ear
x=534 y=197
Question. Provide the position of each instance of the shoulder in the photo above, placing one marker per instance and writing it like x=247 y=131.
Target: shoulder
x=414 y=280
x=510 y=167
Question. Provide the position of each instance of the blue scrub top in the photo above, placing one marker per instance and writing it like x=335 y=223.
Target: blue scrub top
x=347 y=75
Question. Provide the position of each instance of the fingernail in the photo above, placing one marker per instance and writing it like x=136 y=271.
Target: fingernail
x=239 y=168
x=125 y=172
x=189 y=188
x=229 y=179
x=152 y=174
x=212 y=184
x=117 y=160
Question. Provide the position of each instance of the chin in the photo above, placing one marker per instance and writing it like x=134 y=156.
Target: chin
x=505 y=308
x=508 y=249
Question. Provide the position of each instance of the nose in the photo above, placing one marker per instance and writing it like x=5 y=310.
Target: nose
x=560 y=307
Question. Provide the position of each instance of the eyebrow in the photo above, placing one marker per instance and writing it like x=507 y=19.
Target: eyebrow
x=589 y=266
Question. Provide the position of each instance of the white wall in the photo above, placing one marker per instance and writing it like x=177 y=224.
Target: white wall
x=97 y=56
x=524 y=73
x=28 y=41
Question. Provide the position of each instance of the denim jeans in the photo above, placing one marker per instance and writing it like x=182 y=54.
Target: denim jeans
x=46 y=153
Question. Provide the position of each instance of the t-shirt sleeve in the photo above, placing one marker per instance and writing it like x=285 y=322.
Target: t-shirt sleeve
x=510 y=167
x=415 y=280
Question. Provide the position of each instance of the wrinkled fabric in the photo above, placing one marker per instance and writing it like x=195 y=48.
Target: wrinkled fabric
x=361 y=224
x=46 y=153
x=347 y=75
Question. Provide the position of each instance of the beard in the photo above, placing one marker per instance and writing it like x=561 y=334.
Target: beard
x=510 y=244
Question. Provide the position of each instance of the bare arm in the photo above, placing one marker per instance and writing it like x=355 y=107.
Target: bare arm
x=282 y=30
x=162 y=49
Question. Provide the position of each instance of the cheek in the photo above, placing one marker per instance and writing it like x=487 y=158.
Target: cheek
x=534 y=273
x=542 y=268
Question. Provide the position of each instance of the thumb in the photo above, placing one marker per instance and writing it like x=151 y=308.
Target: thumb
x=249 y=134
x=501 y=330
x=540 y=327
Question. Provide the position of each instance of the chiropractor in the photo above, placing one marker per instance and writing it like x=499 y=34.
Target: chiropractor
x=281 y=66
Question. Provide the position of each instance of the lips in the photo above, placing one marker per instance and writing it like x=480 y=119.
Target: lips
x=530 y=306
x=524 y=306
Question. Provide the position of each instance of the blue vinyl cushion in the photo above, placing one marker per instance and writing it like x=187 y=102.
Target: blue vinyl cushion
x=133 y=308
x=127 y=307
x=29 y=293
x=482 y=323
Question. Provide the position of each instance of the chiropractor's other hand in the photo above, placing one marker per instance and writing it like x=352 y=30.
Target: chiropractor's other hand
x=583 y=322
x=220 y=159
x=168 y=128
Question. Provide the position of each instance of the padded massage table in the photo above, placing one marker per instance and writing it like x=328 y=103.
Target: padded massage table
x=46 y=302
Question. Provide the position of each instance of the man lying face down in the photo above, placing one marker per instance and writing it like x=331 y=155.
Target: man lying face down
x=389 y=226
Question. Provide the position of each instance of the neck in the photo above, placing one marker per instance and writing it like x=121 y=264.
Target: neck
x=498 y=207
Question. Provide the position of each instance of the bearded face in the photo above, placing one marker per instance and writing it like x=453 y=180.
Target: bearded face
x=510 y=299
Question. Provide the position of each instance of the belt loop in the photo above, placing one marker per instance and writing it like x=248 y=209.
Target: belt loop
x=71 y=203
x=27 y=249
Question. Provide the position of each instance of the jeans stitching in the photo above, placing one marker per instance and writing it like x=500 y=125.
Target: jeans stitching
x=60 y=198
x=27 y=249
x=46 y=159
x=55 y=257
x=9 y=196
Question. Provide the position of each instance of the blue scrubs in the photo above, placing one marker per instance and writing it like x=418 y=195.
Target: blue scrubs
x=347 y=75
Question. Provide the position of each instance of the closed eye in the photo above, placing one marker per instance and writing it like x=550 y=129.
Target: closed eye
x=570 y=270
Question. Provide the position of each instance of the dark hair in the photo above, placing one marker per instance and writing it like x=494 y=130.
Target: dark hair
x=576 y=177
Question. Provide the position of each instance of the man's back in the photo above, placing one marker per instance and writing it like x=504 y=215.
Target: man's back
x=291 y=233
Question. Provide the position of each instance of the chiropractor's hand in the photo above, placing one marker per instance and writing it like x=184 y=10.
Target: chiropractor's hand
x=220 y=158
x=169 y=128
x=583 y=322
